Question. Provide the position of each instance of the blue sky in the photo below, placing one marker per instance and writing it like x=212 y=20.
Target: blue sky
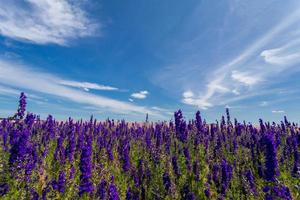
x=124 y=59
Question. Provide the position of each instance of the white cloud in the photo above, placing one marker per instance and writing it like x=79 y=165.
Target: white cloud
x=131 y=100
x=236 y=92
x=278 y=111
x=21 y=77
x=288 y=54
x=245 y=78
x=188 y=94
x=244 y=74
x=87 y=86
x=140 y=95
x=264 y=103
x=200 y=103
x=44 y=21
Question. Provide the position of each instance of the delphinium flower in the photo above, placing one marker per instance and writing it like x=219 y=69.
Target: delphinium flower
x=109 y=151
x=85 y=166
x=113 y=191
x=158 y=135
x=190 y=196
x=196 y=170
x=101 y=190
x=226 y=175
x=187 y=155
x=186 y=193
x=135 y=177
x=250 y=179
x=183 y=132
x=22 y=106
x=148 y=138
x=45 y=191
x=282 y=192
x=198 y=121
x=141 y=171
x=18 y=152
x=72 y=173
x=167 y=181
x=271 y=165
x=34 y=194
x=50 y=126
x=80 y=141
x=228 y=116
x=207 y=190
x=4 y=133
x=216 y=174
x=175 y=166
x=29 y=120
x=178 y=120
x=277 y=192
x=4 y=188
x=168 y=144
x=31 y=160
x=59 y=153
x=61 y=182
x=262 y=126
x=124 y=150
x=296 y=168
x=131 y=195
x=71 y=147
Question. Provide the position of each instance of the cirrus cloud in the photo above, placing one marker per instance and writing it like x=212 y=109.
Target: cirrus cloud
x=44 y=21
x=140 y=95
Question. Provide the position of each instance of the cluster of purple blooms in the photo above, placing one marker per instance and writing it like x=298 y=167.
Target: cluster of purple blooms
x=49 y=159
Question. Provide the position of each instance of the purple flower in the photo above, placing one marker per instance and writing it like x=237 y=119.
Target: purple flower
x=101 y=190
x=22 y=106
x=131 y=195
x=34 y=195
x=198 y=121
x=296 y=168
x=196 y=170
x=186 y=193
x=190 y=196
x=4 y=188
x=113 y=191
x=250 y=179
x=187 y=155
x=226 y=175
x=167 y=181
x=70 y=150
x=85 y=166
x=271 y=165
x=61 y=182
x=175 y=166
x=207 y=192
x=72 y=173
x=124 y=150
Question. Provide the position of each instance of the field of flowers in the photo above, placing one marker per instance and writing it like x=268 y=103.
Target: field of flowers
x=47 y=159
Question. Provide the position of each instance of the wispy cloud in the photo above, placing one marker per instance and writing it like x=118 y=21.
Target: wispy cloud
x=278 y=111
x=244 y=78
x=44 y=21
x=22 y=77
x=87 y=86
x=288 y=54
x=245 y=75
x=140 y=95
x=189 y=98
x=264 y=103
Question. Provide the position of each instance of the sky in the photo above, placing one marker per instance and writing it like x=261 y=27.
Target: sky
x=121 y=60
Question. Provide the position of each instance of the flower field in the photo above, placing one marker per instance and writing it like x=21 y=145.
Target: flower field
x=48 y=159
